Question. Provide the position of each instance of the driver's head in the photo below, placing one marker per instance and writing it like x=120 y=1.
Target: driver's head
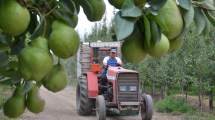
x=113 y=53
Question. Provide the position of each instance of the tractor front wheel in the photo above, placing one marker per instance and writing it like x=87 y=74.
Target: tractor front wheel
x=146 y=107
x=100 y=108
x=83 y=103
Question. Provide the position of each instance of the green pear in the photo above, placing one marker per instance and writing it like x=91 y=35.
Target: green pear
x=64 y=40
x=171 y=15
x=159 y=49
x=98 y=7
x=35 y=61
x=175 y=45
x=132 y=48
x=15 y=105
x=56 y=79
x=34 y=102
x=14 y=18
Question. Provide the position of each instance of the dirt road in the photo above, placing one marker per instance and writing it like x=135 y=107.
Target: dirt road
x=62 y=106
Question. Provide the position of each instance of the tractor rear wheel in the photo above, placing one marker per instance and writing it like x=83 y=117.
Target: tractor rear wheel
x=83 y=103
x=146 y=107
x=100 y=108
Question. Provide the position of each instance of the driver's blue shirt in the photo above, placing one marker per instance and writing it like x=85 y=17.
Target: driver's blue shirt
x=111 y=62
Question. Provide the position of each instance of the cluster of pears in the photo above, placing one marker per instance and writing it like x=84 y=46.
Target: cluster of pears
x=19 y=101
x=36 y=61
x=135 y=47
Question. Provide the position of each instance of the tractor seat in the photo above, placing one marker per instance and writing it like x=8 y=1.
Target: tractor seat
x=95 y=68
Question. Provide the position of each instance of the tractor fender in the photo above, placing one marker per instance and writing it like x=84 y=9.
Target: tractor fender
x=92 y=81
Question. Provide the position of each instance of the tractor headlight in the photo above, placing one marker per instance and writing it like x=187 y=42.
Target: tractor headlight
x=122 y=88
x=133 y=88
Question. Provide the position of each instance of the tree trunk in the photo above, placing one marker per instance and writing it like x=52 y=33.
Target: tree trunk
x=166 y=90
x=144 y=86
x=161 y=93
x=186 y=91
x=199 y=97
x=202 y=97
x=182 y=90
x=201 y=92
x=153 y=87
x=211 y=100
x=173 y=87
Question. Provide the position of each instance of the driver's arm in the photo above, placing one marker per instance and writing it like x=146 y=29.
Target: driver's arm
x=119 y=61
x=105 y=61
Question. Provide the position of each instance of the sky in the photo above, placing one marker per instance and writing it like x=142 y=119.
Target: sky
x=85 y=25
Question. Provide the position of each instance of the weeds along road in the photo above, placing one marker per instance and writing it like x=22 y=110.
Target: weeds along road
x=62 y=106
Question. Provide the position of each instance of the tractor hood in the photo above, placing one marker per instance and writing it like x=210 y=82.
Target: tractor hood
x=113 y=71
x=119 y=70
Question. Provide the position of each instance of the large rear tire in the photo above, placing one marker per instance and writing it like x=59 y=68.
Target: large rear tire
x=146 y=107
x=83 y=103
x=100 y=108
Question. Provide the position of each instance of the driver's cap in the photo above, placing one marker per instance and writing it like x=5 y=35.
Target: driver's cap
x=113 y=50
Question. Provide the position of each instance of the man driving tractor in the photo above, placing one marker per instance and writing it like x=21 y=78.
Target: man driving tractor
x=111 y=60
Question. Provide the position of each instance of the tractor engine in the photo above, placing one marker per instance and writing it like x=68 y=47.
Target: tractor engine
x=123 y=87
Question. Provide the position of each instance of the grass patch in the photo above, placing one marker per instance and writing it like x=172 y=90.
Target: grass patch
x=198 y=116
x=173 y=104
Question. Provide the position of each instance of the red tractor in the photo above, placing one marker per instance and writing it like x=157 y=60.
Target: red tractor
x=121 y=95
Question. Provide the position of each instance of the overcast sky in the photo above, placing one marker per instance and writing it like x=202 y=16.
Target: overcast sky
x=85 y=26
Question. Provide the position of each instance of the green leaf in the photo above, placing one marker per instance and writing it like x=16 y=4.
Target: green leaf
x=199 y=19
x=18 y=45
x=87 y=8
x=8 y=72
x=188 y=16
x=123 y=26
x=147 y=29
x=155 y=31
x=68 y=5
x=33 y=23
x=159 y=34
x=210 y=17
x=77 y=5
x=16 y=78
x=13 y=64
x=209 y=4
x=65 y=16
x=207 y=26
x=186 y=4
x=4 y=42
x=27 y=87
x=3 y=60
x=39 y=29
x=156 y=4
x=130 y=10
x=159 y=20
x=5 y=39
x=5 y=81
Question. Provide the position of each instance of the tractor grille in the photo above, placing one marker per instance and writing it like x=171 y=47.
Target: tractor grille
x=127 y=80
